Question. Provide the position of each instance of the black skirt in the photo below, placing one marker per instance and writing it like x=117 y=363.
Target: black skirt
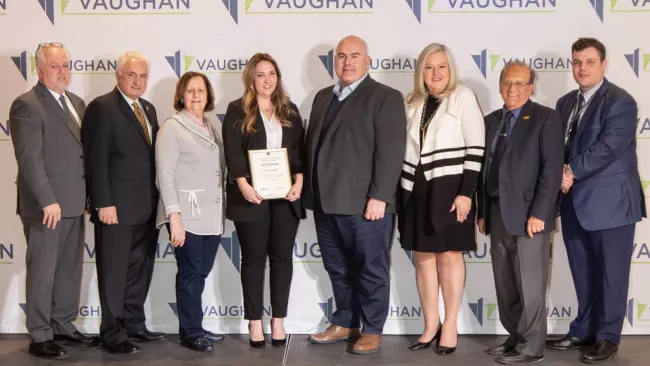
x=417 y=232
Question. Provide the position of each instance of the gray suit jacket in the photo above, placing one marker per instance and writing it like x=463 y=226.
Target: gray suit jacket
x=49 y=153
x=361 y=156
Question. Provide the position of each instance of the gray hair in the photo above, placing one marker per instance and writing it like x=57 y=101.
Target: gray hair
x=517 y=63
x=40 y=51
x=130 y=55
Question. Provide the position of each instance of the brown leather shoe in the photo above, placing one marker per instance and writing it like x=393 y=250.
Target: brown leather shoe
x=334 y=334
x=368 y=343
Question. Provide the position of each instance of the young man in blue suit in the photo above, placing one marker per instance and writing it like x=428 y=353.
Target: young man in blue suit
x=601 y=201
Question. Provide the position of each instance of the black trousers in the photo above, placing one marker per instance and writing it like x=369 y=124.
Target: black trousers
x=272 y=235
x=125 y=260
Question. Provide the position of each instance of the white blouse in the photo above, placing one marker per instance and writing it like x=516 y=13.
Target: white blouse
x=273 y=132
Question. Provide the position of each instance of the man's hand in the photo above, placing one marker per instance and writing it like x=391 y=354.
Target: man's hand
x=375 y=209
x=462 y=205
x=481 y=226
x=567 y=179
x=108 y=215
x=534 y=226
x=51 y=215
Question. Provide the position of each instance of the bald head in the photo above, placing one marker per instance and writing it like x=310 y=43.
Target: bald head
x=351 y=62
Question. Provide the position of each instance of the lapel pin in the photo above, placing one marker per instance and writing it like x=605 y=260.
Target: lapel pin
x=526 y=117
x=146 y=107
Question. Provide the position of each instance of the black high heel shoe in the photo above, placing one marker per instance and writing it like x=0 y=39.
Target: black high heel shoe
x=444 y=350
x=277 y=342
x=424 y=345
x=255 y=344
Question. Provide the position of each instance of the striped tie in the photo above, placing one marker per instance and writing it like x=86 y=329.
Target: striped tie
x=143 y=121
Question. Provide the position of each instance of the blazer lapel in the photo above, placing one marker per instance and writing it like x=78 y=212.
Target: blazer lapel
x=126 y=110
x=349 y=103
x=521 y=126
x=317 y=125
x=594 y=103
x=49 y=100
x=565 y=113
x=413 y=124
x=260 y=136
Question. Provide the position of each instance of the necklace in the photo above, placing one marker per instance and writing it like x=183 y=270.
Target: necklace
x=424 y=125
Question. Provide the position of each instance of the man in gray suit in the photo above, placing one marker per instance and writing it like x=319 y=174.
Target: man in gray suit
x=45 y=130
x=355 y=146
x=516 y=206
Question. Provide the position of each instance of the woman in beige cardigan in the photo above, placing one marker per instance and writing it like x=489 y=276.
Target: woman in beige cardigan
x=190 y=166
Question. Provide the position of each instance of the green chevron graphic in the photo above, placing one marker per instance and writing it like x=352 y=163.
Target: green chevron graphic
x=645 y=184
x=490 y=309
x=64 y=4
x=613 y=4
x=431 y=3
x=494 y=60
x=188 y=61
x=640 y=309
x=646 y=61
x=32 y=63
x=248 y=4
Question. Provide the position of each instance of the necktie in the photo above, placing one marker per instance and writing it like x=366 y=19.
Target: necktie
x=492 y=186
x=72 y=122
x=573 y=128
x=143 y=121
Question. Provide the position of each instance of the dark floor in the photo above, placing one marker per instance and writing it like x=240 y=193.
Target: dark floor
x=235 y=351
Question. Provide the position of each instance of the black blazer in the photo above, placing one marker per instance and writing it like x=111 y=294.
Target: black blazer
x=362 y=153
x=237 y=145
x=120 y=166
x=531 y=169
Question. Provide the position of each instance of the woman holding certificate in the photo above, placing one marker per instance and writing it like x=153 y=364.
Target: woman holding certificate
x=190 y=168
x=263 y=138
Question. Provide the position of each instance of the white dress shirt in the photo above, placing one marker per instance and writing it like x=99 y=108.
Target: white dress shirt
x=273 y=132
x=68 y=102
x=130 y=102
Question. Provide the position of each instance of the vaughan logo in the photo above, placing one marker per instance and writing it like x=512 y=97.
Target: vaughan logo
x=84 y=312
x=641 y=251
x=232 y=249
x=6 y=253
x=492 y=6
x=328 y=61
x=637 y=314
x=480 y=255
x=559 y=312
x=48 y=8
x=488 y=61
x=404 y=312
x=394 y=65
x=307 y=253
x=644 y=127
x=323 y=7
x=4 y=128
x=620 y=6
x=165 y=253
x=3 y=7
x=126 y=7
x=25 y=63
x=639 y=61
x=182 y=63
x=231 y=6
x=327 y=308
x=484 y=310
x=223 y=311
x=416 y=8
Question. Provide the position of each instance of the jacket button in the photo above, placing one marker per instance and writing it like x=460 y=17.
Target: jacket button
x=218 y=174
x=214 y=146
x=81 y=157
x=217 y=200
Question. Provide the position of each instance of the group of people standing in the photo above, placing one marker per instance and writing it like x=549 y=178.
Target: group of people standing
x=368 y=160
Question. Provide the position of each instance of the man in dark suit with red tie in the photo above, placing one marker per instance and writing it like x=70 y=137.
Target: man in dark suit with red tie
x=119 y=134
x=601 y=201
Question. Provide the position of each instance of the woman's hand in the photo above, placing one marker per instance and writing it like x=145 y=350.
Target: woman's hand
x=462 y=205
x=249 y=193
x=177 y=232
x=296 y=189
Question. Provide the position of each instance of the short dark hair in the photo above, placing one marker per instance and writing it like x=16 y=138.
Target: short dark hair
x=583 y=43
x=181 y=85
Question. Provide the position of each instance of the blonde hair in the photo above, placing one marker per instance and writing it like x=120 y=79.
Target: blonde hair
x=420 y=92
x=279 y=98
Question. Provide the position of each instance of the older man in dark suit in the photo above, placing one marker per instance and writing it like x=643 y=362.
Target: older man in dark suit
x=119 y=134
x=45 y=124
x=355 y=145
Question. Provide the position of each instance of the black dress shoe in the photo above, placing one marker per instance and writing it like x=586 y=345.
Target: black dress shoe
x=603 y=351
x=48 y=349
x=213 y=337
x=255 y=344
x=424 y=345
x=500 y=350
x=77 y=339
x=444 y=350
x=147 y=336
x=197 y=343
x=277 y=342
x=567 y=343
x=516 y=358
x=122 y=349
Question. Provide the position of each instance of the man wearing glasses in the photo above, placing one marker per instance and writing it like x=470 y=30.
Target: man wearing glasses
x=118 y=135
x=45 y=124
x=516 y=207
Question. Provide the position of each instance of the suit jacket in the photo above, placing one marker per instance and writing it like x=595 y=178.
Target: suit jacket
x=361 y=154
x=237 y=146
x=49 y=153
x=120 y=165
x=607 y=191
x=530 y=172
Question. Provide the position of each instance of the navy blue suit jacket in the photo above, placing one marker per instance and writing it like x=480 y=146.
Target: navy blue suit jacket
x=607 y=191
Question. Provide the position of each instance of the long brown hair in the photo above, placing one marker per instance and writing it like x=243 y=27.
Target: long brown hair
x=279 y=98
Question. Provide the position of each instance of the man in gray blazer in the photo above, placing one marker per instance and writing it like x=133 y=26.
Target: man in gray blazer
x=45 y=127
x=355 y=147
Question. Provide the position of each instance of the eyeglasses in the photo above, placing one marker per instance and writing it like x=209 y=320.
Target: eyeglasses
x=517 y=85
x=48 y=44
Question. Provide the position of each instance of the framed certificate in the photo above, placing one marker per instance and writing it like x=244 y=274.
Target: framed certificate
x=270 y=173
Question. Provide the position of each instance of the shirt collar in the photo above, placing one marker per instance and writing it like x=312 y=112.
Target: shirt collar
x=55 y=94
x=590 y=93
x=515 y=112
x=342 y=94
x=128 y=100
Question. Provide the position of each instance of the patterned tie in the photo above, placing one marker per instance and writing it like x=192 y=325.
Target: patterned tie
x=573 y=128
x=72 y=122
x=143 y=121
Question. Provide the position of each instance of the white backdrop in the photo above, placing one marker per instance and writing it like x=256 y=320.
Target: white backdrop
x=217 y=36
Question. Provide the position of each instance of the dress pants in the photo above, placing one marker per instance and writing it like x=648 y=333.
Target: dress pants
x=356 y=255
x=125 y=261
x=520 y=266
x=600 y=267
x=273 y=235
x=54 y=262
x=194 y=260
